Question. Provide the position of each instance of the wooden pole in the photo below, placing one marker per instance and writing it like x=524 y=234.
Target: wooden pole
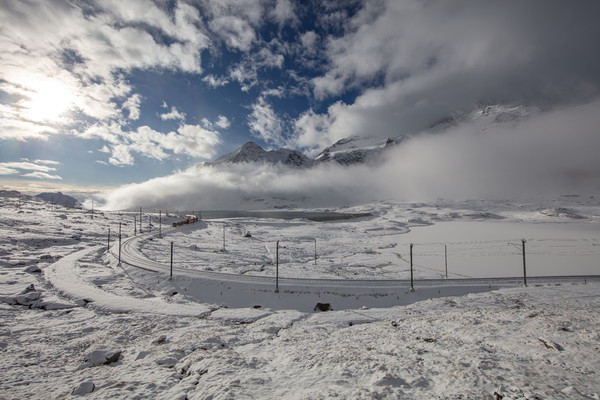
x=159 y=223
x=141 y=230
x=171 y=276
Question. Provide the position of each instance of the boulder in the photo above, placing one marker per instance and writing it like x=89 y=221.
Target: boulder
x=323 y=307
x=84 y=388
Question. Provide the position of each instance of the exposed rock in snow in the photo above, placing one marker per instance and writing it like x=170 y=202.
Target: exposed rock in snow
x=84 y=388
x=357 y=150
x=561 y=212
x=101 y=357
x=323 y=307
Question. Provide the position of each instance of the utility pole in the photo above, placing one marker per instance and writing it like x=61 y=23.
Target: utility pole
x=523 y=241
x=159 y=223
x=141 y=230
x=412 y=288
x=134 y=226
x=277 y=267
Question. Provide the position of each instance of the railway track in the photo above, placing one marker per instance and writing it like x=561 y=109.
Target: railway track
x=131 y=256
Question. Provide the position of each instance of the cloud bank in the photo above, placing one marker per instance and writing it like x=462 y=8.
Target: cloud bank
x=550 y=153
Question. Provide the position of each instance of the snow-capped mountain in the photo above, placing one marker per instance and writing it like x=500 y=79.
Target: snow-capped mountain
x=352 y=150
x=251 y=152
x=485 y=116
x=356 y=149
x=367 y=150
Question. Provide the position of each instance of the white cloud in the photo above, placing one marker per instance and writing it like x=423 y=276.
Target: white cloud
x=190 y=140
x=214 y=81
x=284 y=12
x=265 y=124
x=173 y=114
x=6 y=170
x=47 y=162
x=26 y=165
x=132 y=104
x=237 y=33
x=223 y=122
x=121 y=155
x=84 y=56
x=41 y=175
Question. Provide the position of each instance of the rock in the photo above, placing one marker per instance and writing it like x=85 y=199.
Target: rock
x=28 y=289
x=46 y=257
x=33 y=269
x=102 y=357
x=141 y=355
x=84 y=388
x=168 y=362
x=83 y=302
x=160 y=340
x=247 y=235
x=323 y=307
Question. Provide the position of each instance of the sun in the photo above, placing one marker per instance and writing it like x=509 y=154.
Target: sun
x=48 y=101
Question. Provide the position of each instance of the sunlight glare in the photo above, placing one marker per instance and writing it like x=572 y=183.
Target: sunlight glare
x=48 y=101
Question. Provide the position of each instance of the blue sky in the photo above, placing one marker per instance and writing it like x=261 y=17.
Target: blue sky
x=99 y=94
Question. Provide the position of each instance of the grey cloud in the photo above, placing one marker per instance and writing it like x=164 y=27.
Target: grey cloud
x=425 y=61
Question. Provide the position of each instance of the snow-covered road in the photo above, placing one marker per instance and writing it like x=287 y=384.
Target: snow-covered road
x=64 y=276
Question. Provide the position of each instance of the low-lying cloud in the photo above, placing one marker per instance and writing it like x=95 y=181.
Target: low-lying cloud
x=548 y=154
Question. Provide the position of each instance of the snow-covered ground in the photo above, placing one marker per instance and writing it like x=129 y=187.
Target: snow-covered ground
x=74 y=322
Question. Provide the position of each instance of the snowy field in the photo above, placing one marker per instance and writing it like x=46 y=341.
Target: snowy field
x=74 y=322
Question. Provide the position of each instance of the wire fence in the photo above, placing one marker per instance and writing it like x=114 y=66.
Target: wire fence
x=228 y=247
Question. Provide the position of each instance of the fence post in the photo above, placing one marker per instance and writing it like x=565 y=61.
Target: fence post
x=171 y=275
x=119 y=243
x=446 y=259
x=277 y=268
x=523 y=241
x=412 y=288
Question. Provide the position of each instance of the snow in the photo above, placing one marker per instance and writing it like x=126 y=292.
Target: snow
x=76 y=323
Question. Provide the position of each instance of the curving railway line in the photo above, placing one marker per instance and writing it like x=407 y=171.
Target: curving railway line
x=133 y=257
